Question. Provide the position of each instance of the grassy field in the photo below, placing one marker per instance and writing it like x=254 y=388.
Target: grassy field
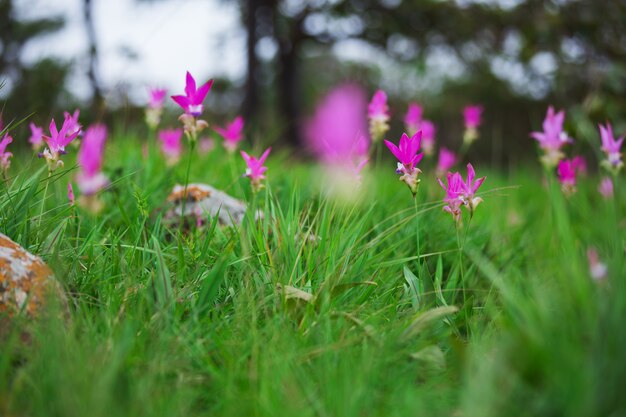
x=387 y=311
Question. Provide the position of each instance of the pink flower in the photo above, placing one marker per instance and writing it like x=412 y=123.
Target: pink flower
x=567 y=171
x=472 y=116
x=205 y=145
x=552 y=138
x=606 y=188
x=597 y=269
x=407 y=153
x=335 y=132
x=453 y=198
x=157 y=98
x=4 y=155
x=90 y=178
x=57 y=141
x=378 y=114
x=191 y=102
x=73 y=125
x=36 y=136
x=460 y=192
x=256 y=170
x=171 y=144
x=580 y=165
x=611 y=147
x=428 y=136
x=70 y=194
x=377 y=109
x=413 y=118
x=446 y=160
x=232 y=133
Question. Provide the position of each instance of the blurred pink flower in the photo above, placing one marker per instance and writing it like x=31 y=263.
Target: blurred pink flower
x=567 y=171
x=472 y=115
x=191 y=102
x=606 y=188
x=428 y=136
x=413 y=118
x=453 y=198
x=378 y=114
x=232 y=133
x=70 y=194
x=552 y=138
x=205 y=145
x=611 y=147
x=255 y=169
x=57 y=141
x=157 y=97
x=73 y=125
x=5 y=156
x=580 y=165
x=336 y=131
x=597 y=269
x=171 y=144
x=407 y=154
x=447 y=159
x=36 y=136
x=90 y=178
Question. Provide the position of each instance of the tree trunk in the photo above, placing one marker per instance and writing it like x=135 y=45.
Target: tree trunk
x=92 y=70
x=250 y=103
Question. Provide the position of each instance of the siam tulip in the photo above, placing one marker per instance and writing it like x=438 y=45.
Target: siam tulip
x=154 y=110
x=606 y=188
x=5 y=156
x=597 y=269
x=447 y=159
x=453 y=199
x=469 y=190
x=191 y=103
x=205 y=145
x=73 y=125
x=552 y=138
x=472 y=116
x=255 y=169
x=36 y=136
x=407 y=154
x=56 y=143
x=413 y=118
x=567 y=171
x=335 y=135
x=90 y=178
x=378 y=114
x=428 y=137
x=232 y=133
x=611 y=147
x=171 y=145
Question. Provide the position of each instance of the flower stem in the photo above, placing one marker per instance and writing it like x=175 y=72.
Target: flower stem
x=192 y=145
x=43 y=201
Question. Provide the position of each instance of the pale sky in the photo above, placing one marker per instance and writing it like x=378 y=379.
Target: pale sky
x=168 y=37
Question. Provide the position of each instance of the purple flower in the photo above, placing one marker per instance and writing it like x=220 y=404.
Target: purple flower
x=472 y=116
x=406 y=151
x=470 y=186
x=378 y=114
x=597 y=269
x=407 y=154
x=57 y=141
x=256 y=170
x=453 y=199
x=36 y=136
x=157 y=98
x=413 y=118
x=191 y=102
x=335 y=132
x=552 y=138
x=5 y=156
x=606 y=188
x=73 y=125
x=446 y=160
x=567 y=171
x=428 y=136
x=232 y=133
x=611 y=147
x=171 y=144
x=90 y=178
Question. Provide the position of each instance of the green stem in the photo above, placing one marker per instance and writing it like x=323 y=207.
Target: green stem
x=192 y=145
x=43 y=201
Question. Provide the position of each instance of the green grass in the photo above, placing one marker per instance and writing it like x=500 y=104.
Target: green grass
x=503 y=321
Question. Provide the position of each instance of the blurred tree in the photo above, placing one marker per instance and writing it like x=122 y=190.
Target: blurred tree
x=33 y=87
x=92 y=71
